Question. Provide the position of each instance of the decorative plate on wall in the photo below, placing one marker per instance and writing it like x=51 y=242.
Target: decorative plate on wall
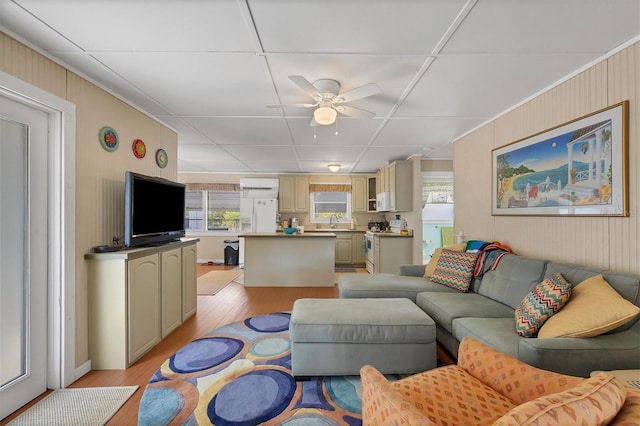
x=108 y=139
x=139 y=148
x=161 y=158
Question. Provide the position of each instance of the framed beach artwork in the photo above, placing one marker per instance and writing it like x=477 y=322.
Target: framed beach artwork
x=576 y=169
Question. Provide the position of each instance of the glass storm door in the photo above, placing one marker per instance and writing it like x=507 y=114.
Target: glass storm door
x=23 y=254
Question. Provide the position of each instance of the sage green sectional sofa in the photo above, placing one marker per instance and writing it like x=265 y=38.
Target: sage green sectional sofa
x=486 y=312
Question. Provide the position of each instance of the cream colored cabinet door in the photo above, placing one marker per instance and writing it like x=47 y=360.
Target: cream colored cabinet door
x=343 y=248
x=171 y=264
x=189 y=281
x=144 y=305
x=286 y=194
x=391 y=177
x=302 y=193
x=358 y=256
x=359 y=194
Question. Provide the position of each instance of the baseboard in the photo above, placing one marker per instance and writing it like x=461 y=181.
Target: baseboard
x=82 y=370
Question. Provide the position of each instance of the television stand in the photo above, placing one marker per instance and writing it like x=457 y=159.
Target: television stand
x=136 y=297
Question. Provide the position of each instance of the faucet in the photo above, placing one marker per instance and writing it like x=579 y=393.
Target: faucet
x=331 y=224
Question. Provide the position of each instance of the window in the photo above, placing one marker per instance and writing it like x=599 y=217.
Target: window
x=222 y=210
x=325 y=205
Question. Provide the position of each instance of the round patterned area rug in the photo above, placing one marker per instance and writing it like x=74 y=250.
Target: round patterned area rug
x=240 y=374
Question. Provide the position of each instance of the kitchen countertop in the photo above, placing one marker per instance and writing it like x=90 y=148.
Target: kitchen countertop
x=283 y=235
x=390 y=234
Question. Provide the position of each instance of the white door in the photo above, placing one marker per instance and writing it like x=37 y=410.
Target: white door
x=23 y=254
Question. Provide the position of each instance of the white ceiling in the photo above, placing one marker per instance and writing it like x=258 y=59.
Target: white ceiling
x=208 y=68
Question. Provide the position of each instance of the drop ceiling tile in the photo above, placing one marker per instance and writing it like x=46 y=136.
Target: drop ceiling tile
x=424 y=132
x=16 y=19
x=404 y=26
x=243 y=131
x=219 y=25
x=569 y=26
x=184 y=166
x=254 y=153
x=329 y=154
x=483 y=86
x=225 y=84
x=98 y=72
x=386 y=154
x=351 y=132
x=369 y=166
x=274 y=166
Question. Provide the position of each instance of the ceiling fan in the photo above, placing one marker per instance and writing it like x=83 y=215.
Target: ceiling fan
x=329 y=101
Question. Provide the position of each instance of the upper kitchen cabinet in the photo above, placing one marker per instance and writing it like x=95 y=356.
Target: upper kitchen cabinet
x=360 y=194
x=294 y=194
x=397 y=179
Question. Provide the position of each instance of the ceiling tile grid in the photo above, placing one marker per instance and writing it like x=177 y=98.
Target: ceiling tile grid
x=209 y=69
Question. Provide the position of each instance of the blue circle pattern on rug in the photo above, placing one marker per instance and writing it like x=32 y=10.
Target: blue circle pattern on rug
x=240 y=374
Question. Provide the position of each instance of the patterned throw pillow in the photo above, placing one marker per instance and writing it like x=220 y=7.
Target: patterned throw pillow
x=431 y=266
x=455 y=269
x=546 y=298
x=595 y=308
x=596 y=401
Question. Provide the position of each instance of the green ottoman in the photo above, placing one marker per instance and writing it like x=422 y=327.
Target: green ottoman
x=335 y=337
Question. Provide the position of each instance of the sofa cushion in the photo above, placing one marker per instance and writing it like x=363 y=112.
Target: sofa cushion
x=455 y=269
x=385 y=285
x=445 y=307
x=512 y=279
x=594 y=308
x=499 y=333
x=546 y=298
x=596 y=401
x=431 y=266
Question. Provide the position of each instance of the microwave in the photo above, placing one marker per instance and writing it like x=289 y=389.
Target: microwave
x=383 y=202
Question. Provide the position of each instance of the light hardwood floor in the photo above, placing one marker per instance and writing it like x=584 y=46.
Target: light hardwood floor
x=233 y=303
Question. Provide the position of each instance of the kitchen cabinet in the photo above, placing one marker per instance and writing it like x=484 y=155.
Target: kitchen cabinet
x=358 y=257
x=397 y=179
x=371 y=194
x=391 y=251
x=293 y=194
x=359 y=194
x=344 y=244
x=136 y=298
x=171 y=285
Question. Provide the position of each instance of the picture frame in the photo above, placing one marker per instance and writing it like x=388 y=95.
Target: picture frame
x=579 y=168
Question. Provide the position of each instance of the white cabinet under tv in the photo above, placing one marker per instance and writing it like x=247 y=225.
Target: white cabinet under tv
x=136 y=298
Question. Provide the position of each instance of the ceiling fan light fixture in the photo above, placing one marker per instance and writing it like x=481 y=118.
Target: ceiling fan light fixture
x=334 y=167
x=324 y=114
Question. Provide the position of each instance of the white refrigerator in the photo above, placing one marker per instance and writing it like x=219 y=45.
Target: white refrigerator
x=257 y=215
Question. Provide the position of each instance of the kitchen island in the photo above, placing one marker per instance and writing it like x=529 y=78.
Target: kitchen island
x=279 y=260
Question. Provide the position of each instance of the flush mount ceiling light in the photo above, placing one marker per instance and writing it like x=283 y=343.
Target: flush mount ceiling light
x=334 y=167
x=325 y=114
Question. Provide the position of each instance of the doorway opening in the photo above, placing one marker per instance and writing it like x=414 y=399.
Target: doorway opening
x=437 y=212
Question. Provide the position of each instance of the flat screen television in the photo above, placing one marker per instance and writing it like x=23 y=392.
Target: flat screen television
x=154 y=210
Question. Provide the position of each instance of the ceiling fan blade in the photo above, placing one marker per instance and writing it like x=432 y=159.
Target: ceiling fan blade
x=293 y=105
x=313 y=123
x=354 y=112
x=369 y=89
x=304 y=84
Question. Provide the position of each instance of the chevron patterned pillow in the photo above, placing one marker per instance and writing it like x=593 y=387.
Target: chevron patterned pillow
x=546 y=298
x=455 y=269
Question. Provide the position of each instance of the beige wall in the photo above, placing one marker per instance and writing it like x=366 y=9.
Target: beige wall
x=604 y=242
x=99 y=174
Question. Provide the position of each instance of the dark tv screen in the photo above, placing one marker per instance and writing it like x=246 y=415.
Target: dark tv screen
x=154 y=210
